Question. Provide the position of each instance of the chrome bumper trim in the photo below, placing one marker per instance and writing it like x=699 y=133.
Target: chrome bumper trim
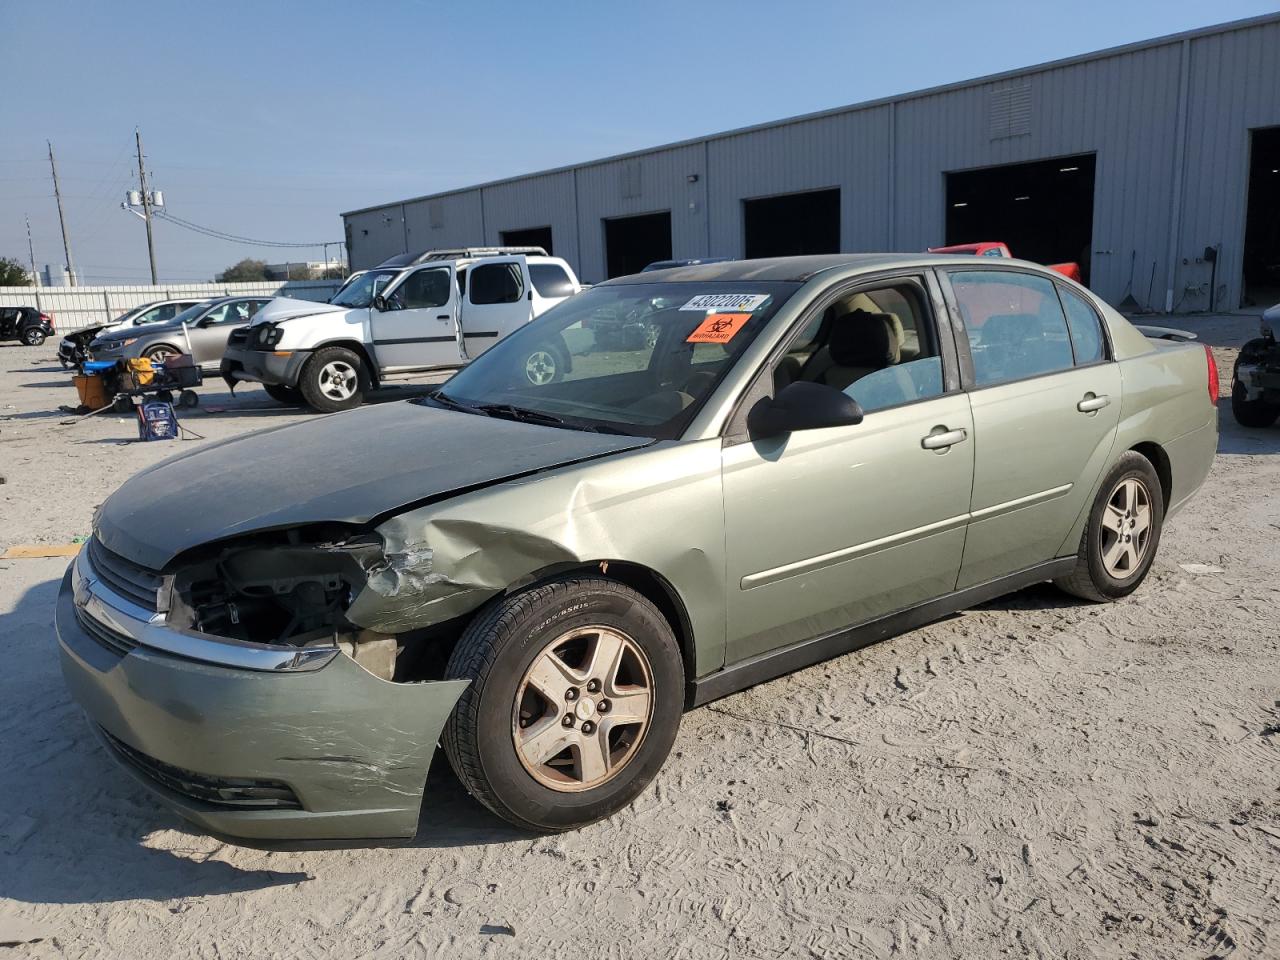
x=98 y=601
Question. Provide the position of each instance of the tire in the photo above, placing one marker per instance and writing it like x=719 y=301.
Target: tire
x=188 y=399
x=493 y=736
x=545 y=363
x=289 y=396
x=33 y=337
x=333 y=379
x=1255 y=414
x=160 y=351
x=1106 y=568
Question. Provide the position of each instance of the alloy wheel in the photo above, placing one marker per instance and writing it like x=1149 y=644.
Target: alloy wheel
x=582 y=709
x=338 y=380
x=1126 y=528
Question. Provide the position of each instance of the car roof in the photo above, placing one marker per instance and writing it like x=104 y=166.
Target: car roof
x=796 y=269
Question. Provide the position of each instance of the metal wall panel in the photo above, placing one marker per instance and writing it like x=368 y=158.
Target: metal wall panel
x=451 y=220
x=1234 y=87
x=849 y=151
x=1168 y=121
x=537 y=201
x=1121 y=108
x=375 y=235
x=663 y=184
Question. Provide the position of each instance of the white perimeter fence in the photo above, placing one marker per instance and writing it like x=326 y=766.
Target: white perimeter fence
x=75 y=307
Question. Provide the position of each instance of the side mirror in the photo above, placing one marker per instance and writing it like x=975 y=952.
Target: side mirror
x=803 y=406
x=380 y=304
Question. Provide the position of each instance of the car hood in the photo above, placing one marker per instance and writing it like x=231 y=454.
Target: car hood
x=346 y=468
x=146 y=330
x=287 y=308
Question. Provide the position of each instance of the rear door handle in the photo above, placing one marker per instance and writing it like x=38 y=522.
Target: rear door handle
x=940 y=441
x=1092 y=404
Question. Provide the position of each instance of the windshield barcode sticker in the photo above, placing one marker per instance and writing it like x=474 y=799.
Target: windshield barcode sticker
x=727 y=301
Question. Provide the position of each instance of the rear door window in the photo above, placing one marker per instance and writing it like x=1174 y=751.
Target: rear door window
x=496 y=283
x=1015 y=325
x=550 y=280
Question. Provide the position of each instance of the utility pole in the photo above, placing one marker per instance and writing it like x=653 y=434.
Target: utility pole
x=31 y=252
x=146 y=207
x=57 y=192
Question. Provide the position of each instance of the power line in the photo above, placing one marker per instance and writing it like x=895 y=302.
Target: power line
x=231 y=237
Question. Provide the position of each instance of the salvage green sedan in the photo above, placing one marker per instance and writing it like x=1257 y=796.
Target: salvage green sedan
x=800 y=457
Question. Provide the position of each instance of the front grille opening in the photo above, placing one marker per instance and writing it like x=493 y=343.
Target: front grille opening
x=130 y=580
x=115 y=641
x=233 y=793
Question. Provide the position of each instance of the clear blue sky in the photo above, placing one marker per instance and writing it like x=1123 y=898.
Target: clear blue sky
x=268 y=119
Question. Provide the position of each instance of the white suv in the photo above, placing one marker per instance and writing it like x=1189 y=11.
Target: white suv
x=433 y=310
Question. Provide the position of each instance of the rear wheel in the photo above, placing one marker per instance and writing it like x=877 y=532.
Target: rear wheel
x=575 y=697
x=289 y=396
x=1120 y=539
x=1255 y=414
x=333 y=380
x=33 y=336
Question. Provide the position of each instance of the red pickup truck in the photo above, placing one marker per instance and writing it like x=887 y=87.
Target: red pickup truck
x=991 y=248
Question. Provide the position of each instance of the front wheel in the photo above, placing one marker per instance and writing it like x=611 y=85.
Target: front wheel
x=161 y=352
x=289 y=396
x=333 y=380
x=1120 y=539
x=544 y=364
x=1255 y=414
x=575 y=697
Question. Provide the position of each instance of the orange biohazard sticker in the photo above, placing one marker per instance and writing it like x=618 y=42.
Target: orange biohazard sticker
x=718 y=328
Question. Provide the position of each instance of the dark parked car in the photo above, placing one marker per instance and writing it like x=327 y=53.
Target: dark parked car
x=25 y=324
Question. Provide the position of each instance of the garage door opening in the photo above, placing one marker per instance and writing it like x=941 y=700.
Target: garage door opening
x=1043 y=211
x=532 y=237
x=792 y=225
x=632 y=243
x=1262 y=221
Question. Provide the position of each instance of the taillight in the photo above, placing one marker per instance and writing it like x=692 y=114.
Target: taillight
x=1213 y=375
x=48 y=318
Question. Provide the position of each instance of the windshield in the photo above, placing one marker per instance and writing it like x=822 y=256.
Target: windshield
x=190 y=314
x=630 y=358
x=361 y=291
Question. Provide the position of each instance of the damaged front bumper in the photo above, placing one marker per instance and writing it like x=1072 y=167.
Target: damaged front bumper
x=280 y=367
x=248 y=740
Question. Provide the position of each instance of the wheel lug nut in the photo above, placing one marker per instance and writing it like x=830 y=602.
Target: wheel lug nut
x=593 y=686
x=567 y=721
x=571 y=694
x=588 y=727
x=603 y=706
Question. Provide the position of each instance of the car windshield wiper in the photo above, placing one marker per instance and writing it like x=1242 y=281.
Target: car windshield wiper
x=511 y=411
x=440 y=397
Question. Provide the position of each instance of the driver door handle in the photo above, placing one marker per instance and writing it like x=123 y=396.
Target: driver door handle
x=949 y=438
x=444 y=316
x=1091 y=404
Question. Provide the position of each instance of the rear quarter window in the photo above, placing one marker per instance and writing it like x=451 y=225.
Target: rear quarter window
x=550 y=280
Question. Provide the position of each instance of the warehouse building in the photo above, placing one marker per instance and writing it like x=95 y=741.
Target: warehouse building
x=1155 y=165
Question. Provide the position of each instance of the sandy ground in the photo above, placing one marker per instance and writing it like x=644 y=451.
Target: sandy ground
x=1037 y=777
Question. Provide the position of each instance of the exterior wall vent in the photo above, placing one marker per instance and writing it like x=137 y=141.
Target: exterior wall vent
x=435 y=214
x=1010 y=110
